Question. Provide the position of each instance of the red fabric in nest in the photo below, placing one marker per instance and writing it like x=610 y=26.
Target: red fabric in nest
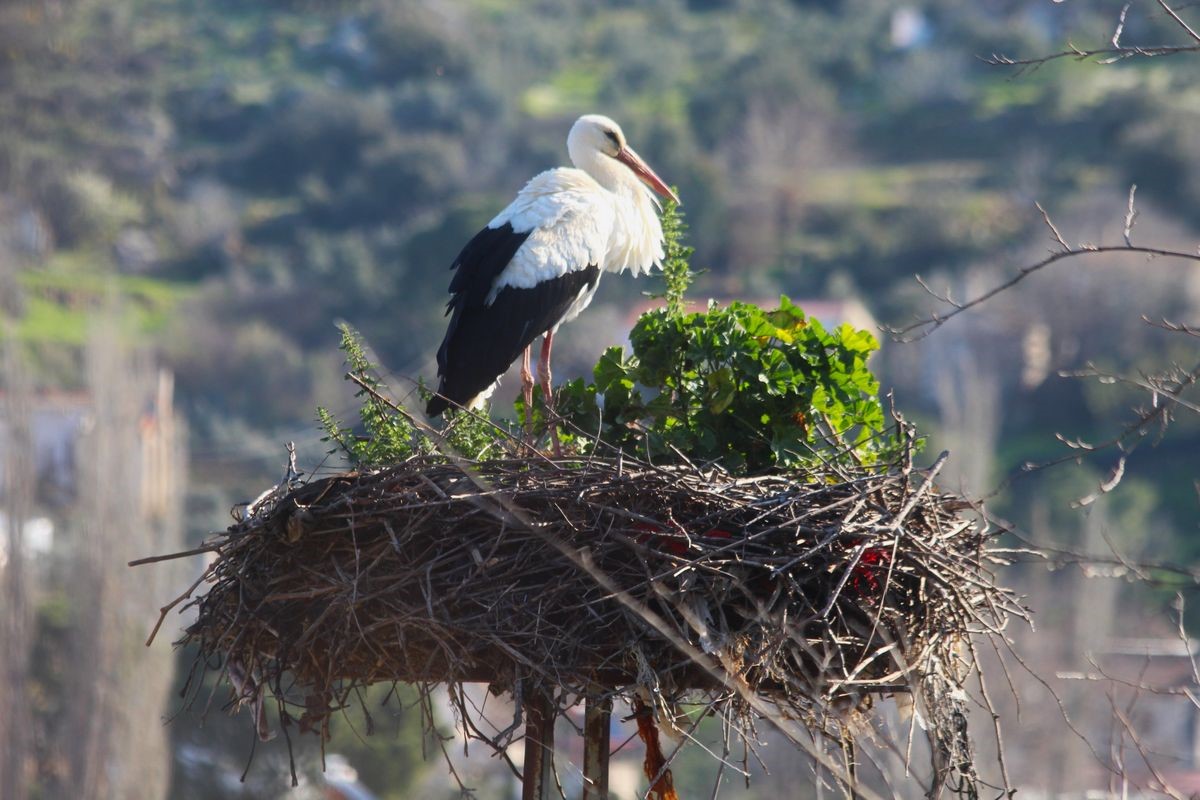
x=664 y=787
x=652 y=535
x=866 y=579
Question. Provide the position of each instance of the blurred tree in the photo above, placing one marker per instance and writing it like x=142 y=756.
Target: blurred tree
x=385 y=747
x=17 y=745
x=117 y=691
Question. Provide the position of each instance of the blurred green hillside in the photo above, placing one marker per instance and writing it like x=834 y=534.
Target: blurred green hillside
x=245 y=174
x=265 y=169
x=239 y=176
x=235 y=177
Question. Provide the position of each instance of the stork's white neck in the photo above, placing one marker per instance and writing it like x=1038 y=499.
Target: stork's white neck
x=608 y=172
x=637 y=239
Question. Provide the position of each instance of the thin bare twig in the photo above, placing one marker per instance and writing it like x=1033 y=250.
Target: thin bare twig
x=926 y=325
x=1058 y=237
x=1115 y=52
x=1195 y=37
x=1130 y=218
x=1116 y=37
x=1109 y=54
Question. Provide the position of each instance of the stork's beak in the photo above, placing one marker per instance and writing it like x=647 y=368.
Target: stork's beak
x=629 y=157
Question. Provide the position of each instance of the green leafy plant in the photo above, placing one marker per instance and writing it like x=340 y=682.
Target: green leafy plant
x=752 y=389
x=749 y=388
x=677 y=257
x=388 y=435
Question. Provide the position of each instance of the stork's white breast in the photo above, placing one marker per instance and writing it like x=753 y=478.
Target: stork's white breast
x=570 y=221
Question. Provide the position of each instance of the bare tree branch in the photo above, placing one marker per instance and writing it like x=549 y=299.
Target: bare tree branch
x=1174 y=327
x=1166 y=386
x=927 y=325
x=1058 y=237
x=1116 y=39
x=1130 y=218
x=1115 y=52
x=1195 y=37
x=1111 y=55
x=1166 y=390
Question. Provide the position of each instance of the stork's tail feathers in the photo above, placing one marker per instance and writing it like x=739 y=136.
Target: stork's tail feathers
x=445 y=399
x=436 y=405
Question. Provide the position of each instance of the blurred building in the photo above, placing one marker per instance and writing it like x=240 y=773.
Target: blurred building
x=1155 y=705
x=58 y=424
x=57 y=420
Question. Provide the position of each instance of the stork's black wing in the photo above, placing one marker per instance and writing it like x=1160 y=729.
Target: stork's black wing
x=484 y=339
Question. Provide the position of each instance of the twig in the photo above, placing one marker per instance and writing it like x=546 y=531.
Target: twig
x=1109 y=55
x=918 y=330
x=1130 y=217
x=1179 y=20
x=195 y=551
x=1066 y=248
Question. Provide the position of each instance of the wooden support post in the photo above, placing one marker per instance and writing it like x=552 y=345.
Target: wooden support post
x=538 y=774
x=596 y=716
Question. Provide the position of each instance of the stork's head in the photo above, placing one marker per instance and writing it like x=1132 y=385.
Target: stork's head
x=596 y=139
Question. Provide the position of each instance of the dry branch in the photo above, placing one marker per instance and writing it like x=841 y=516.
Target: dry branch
x=1114 y=53
x=924 y=326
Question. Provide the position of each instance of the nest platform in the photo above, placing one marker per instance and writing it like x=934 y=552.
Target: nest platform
x=427 y=571
x=788 y=594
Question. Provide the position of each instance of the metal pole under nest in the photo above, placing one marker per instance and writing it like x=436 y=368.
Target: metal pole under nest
x=538 y=773
x=596 y=716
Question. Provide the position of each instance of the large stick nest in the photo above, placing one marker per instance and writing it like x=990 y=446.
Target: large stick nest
x=798 y=593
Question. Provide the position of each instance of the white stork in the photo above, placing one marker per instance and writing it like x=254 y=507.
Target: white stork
x=538 y=263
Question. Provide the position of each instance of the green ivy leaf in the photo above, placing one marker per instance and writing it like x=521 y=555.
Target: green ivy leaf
x=722 y=389
x=611 y=369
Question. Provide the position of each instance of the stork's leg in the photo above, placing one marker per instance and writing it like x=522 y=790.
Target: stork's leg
x=547 y=391
x=527 y=389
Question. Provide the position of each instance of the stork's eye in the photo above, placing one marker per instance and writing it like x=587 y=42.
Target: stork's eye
x=612 y=137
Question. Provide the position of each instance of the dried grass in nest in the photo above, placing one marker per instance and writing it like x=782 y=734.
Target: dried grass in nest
x=801 y=597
